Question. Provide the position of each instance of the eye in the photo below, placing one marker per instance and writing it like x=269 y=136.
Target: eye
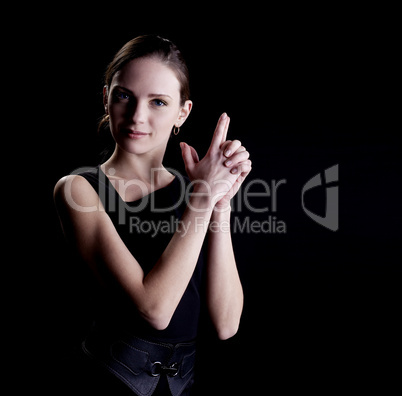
x=158 y=102
x=122 y=95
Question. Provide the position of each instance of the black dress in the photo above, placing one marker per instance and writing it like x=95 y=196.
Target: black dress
x=146 y=227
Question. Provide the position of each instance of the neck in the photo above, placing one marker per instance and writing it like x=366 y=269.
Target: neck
x=146 y=167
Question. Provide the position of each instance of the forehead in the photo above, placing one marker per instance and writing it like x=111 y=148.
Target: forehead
x=147 y=75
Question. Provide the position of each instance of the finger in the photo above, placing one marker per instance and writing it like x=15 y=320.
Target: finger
x=225 y=144
x=232 y=147
x=187 y=156
x=242 y=168
x=246 y=170
x=220 y=131
x=237 y=157
x=225 y=131
x=194 y=154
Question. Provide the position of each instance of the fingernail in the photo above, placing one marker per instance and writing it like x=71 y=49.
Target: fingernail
x=228 y=163
x=224 y=116
x=234 y=170
x=227 y=153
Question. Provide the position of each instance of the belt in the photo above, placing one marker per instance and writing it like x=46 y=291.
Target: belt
x=140 y=363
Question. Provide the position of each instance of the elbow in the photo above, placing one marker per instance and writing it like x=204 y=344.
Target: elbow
x=226 y=324
x=155 y=310
x=159 y=320
x=226 y=332
x=159 y=323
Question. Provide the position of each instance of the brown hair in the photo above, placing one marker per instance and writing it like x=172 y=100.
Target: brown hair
x=150 y=46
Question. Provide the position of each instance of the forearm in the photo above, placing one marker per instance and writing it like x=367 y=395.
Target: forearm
x=224 y=290
x=165 y=285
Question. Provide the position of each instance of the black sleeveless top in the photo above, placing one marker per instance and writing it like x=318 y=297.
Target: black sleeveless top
x=146 y=227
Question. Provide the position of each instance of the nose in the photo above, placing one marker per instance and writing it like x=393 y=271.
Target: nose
x=137 y=112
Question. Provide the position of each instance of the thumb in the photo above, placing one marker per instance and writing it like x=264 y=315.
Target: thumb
x=188 y=155
x=194 y=154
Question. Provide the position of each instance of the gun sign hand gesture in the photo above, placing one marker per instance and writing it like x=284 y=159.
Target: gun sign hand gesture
x=222 y=170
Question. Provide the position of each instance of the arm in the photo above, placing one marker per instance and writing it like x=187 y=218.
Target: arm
x=156 y=295
x=224 y=290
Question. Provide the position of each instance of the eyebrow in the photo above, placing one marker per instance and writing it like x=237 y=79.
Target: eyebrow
x=151 y=95
x=159 y=95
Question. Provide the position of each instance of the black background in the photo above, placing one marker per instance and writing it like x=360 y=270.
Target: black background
x=306 y=89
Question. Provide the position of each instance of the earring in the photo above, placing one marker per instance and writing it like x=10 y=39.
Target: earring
x=176 y=130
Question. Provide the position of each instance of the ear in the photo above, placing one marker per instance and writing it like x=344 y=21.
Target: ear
x=184 y=113
x=105 y=98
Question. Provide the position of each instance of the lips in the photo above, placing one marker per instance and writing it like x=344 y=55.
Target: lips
x=134 y=134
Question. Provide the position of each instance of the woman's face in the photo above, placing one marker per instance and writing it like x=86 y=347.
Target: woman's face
x=143 y=103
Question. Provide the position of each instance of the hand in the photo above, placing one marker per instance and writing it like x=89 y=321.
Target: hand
x=213 y=174
x=238 y=160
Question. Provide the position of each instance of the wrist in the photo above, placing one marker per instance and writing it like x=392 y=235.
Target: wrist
x=199 y=198
x=220 y=221
x=200 y=201
x=221 y=214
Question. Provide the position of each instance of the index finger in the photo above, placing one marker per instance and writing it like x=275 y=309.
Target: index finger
x=225 y=131
x=221 y=131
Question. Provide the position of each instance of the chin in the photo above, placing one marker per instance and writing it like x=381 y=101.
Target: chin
x=135 y=148
x=140 y=147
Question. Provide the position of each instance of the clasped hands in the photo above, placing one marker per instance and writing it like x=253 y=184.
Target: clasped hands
x=223 y=169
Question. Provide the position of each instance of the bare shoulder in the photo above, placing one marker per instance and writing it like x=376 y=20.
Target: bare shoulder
x=81 y=214
x=75 y=192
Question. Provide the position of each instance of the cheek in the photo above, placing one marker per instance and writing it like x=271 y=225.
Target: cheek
x=117 y=111
x=164 y=121
x=119 y=116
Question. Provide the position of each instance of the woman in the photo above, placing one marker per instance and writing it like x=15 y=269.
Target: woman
x=141 y=228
